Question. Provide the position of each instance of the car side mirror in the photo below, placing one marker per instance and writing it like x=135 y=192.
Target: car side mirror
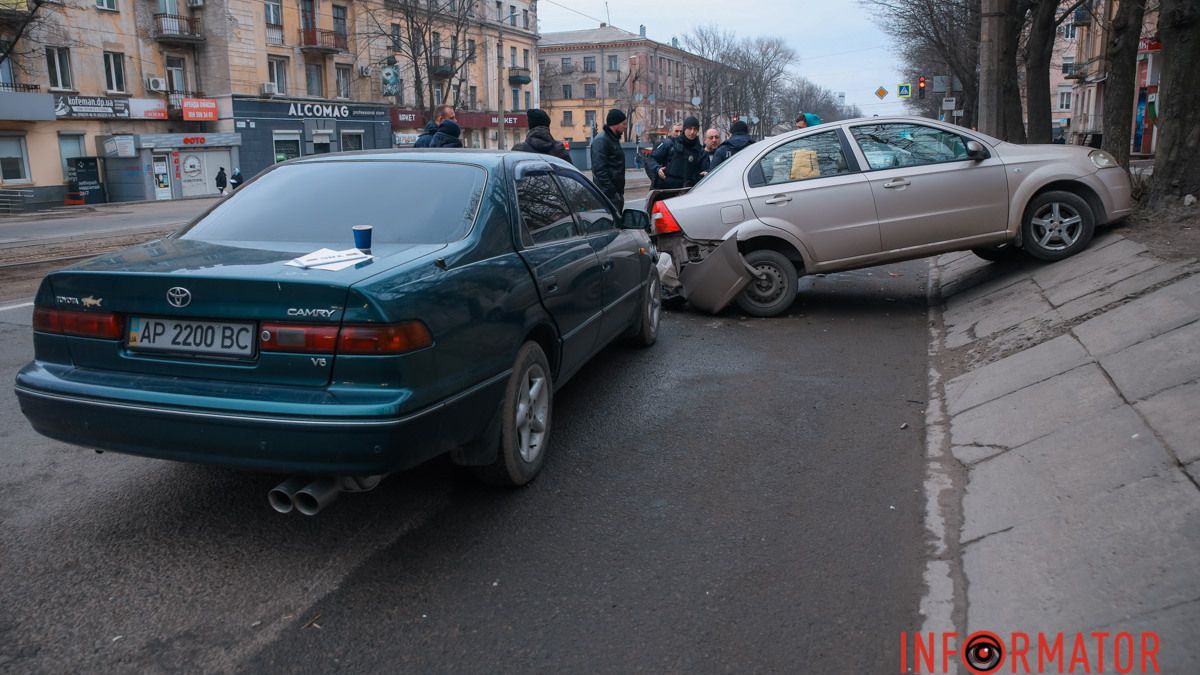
x=634 y=219
x=976 y=151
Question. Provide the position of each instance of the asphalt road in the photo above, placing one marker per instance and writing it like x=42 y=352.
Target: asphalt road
x=100 y=220
x=740 y=497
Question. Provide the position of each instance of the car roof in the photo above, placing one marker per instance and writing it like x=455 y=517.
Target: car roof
x=486 y=158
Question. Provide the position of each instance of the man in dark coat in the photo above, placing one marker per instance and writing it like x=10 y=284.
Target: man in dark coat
x=443 y=113
x=539 y=139
x=739 y=138
x=608 y=159
x=447 y=135
x=712 y=141
x=675 y=163
x=221 y=181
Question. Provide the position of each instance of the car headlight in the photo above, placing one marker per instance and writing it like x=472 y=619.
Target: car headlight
x=1102 y=159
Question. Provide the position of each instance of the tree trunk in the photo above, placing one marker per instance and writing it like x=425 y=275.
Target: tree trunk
x=989 y=67
x=1177 y=165
x=1122 y=73
x=1012 y=123
x=1039 y=51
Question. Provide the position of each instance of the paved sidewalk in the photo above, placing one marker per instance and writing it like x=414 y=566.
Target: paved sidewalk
x=1072 y=398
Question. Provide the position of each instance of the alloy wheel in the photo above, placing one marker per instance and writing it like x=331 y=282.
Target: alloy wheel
x=1056 y=226
x=533 y=407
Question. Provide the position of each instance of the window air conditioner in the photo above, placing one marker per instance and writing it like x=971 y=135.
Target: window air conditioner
x=364 y=71
x=156 y=84
x=269 y=89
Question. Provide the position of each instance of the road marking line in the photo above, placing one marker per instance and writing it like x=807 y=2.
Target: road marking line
x=18 y=306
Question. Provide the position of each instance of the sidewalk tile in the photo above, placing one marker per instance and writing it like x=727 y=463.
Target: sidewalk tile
x=994 y=313
x=1100 y=279
x=1123 y=289
x=1015 y=372
x=1017 y=418
x=1085 y=458
x=1161 y=311
x=1159 y=363
x=1091 y=259
x=1121 y=554
x=1175 y=416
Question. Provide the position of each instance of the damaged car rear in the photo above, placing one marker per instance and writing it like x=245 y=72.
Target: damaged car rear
x=873 y=191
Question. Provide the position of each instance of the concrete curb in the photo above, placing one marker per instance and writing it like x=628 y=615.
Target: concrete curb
x=1068 y=397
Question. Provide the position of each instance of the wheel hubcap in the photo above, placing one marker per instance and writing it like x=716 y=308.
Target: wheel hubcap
x=769 y=288
x=533 y=409
x=654 y=305
x=1056 y=226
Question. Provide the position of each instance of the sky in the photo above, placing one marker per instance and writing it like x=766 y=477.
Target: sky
x=840 y=48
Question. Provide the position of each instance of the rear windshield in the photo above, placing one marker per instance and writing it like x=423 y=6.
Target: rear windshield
x=404 y=202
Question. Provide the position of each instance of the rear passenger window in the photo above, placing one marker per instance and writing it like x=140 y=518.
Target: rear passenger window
x=815 y=156
x=545 y=216
x=594 y=215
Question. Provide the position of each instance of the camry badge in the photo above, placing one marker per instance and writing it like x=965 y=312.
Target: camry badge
x=179 y=296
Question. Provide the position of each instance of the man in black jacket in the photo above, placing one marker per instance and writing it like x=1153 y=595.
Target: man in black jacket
x=608 y=159
x=738 y=139
x=539 y=139
x=447 y=135
x=441 y=114
x=675 y=163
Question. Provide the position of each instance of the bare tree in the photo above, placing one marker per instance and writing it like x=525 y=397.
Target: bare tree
x=1045 y=18
x=799 y=95
x=1177 y=164
x=1124 y=35
x=710 y=77
x=28 y=28
x=763 y=64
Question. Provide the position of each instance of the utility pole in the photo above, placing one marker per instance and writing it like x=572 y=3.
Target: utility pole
x=991 y=26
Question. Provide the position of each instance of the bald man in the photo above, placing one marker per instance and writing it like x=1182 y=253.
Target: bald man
x=712 y=140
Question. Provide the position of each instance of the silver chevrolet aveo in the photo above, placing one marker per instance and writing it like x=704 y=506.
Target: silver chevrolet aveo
x=870 y=191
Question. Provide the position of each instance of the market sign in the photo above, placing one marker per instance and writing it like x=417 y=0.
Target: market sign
x=199 y=109
x=91 y=107
x=478 y=120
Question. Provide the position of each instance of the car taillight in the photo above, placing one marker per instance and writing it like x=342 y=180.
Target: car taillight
x=360 y=339
x=395 y=338
x=664 y=222
x=103 y=325
x=297 y=337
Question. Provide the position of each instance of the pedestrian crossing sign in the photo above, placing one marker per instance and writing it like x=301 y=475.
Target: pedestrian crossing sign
x=904 y=90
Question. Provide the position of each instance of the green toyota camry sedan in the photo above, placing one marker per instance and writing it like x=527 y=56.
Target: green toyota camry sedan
x=346 y=316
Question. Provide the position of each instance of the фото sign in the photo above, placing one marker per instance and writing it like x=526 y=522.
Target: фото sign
x=199 y=109
x=90 y=107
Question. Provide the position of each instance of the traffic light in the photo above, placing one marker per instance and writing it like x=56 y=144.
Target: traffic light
x=921 y=87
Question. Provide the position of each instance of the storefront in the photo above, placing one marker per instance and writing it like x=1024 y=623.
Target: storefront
x=479 y=129
x=278 y=130
x=167 y=166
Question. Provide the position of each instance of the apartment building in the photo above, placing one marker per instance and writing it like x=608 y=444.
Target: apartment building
x=166 y=92
x=1062 y=95
x=584 y=73
x=1089 y=73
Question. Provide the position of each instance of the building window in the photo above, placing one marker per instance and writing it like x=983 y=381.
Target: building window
x=525 y=57
x=399 y=92
x=566 y=64
x=314 y=79
x=110 y=5
x=1068 y=65
x=614 y=90
x=471 y=50
x=528 y=100
x=114 y=71
x=472 y=96
x=512 y=57
x=14 y=163
x=499 y=10
x=339 y=20
x=437 y=95
x=589 y=118
x=568 y=119
x=567 y=91
x=176 y=76
x=274 y=12
x=512 y=15
x=396 y=42
x=525 y=18
x=343 y=81
x=612 y=62
x=516 y=98
x=287 y=146
x=589 y=91
x=70 y=146
x=277 y=73
x=1064 y=99
x=58 y=65
x=352 y=140
x=589 y=64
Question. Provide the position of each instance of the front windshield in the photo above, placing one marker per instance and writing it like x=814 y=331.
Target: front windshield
x=405 y=202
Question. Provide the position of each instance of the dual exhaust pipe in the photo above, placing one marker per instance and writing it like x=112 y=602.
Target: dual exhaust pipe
x=310 y=495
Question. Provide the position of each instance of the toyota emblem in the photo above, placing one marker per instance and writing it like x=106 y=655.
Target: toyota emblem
x=179 y=296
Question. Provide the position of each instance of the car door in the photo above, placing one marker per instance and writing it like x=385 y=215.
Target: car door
x=811 y=186
x=566 y=268
x=926 y=190
x=621 y=253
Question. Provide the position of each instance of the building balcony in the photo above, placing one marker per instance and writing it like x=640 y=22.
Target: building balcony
x=20 y=87
x=274 y=34
x=321 y=41
x=175 y=102
x=177 y=29
x=441 y=67
x=13 y=12
x=518 y=75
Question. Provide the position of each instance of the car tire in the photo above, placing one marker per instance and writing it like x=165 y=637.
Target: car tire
x=1057 y=225
x=996 y=253
x=644 y=332
x=773 y=295
x=525 y=421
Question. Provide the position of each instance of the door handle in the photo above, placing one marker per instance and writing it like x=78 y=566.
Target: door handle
x=779 y=199
x=550 y=284
x=898 y=183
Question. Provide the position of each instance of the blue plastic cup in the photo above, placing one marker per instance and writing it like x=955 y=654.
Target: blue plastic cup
x=362 y=237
